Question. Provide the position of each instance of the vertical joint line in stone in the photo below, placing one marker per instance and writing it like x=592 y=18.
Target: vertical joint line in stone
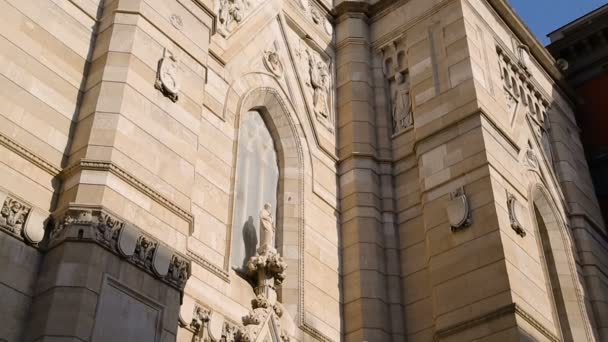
x=433 y=51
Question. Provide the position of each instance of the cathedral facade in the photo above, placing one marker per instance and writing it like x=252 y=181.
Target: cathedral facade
x=291 y=170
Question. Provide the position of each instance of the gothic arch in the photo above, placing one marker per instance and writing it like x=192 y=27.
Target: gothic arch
x=294 y=183
x=558 y=256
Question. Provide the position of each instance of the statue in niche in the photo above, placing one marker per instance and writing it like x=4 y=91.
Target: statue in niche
x=267 y=229
x=402 y=104
x=319 y=81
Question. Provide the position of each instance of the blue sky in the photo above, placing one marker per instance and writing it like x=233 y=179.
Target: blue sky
x=544 y=16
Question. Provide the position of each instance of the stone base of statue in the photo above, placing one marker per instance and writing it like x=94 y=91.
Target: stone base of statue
x=267 y=269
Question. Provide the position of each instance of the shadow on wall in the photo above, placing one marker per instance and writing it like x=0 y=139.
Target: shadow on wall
x=250 y=238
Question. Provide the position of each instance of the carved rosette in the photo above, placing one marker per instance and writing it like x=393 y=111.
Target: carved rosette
x=125 y=240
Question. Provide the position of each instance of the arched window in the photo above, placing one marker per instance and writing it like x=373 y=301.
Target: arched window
x=563 y=284
x=257 y=177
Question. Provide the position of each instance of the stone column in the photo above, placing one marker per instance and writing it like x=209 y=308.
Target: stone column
x=366 y=313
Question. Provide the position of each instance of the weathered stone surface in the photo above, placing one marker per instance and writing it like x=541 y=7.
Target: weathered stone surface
x=420 y=159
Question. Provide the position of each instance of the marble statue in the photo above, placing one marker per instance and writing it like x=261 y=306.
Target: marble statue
x=267 y=229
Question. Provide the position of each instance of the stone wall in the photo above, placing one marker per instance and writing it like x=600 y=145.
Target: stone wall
x=421 y=195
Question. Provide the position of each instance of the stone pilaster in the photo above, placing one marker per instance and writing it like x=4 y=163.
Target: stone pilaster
x=365 y=301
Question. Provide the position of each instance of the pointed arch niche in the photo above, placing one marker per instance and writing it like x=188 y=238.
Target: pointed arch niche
x=273 y=141
x=563 y=284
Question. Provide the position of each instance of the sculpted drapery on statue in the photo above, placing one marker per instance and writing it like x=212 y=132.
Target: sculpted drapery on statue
x=319 y=79
x=267 y=229
x=402 y=104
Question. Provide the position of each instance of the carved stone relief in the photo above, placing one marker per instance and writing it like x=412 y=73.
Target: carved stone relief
x=519 y=87
x=530 y=161
x=272 y=61
x=177 y=21
x=516 y=213
x=231 y=13
x=398 y=84
x=97 y=226
x=167 y=76
x=13 y=215
x=318 y=78
x=459 y=212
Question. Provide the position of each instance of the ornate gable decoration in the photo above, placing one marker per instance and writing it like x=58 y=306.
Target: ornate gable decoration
x=397 y=77
x=520 y=89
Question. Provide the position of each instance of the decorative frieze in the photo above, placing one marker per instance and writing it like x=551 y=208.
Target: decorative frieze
x=123 y=239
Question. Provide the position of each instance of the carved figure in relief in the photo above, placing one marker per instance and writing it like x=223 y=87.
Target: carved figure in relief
x=145 y=250
x=231 y=13
x=13 y=214
x=178 y=270
x=267 y=229
x=402 y=104
x=319 y=81
x=272 y=61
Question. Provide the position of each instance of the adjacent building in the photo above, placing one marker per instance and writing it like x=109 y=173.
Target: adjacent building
x=582 y=48
x=291 y=170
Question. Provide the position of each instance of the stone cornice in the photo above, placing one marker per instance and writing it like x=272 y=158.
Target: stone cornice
x=94 y=224
x=209 y=266
x=352 y=8
x=493 y=315
x=108 y=166
x=30 y=156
